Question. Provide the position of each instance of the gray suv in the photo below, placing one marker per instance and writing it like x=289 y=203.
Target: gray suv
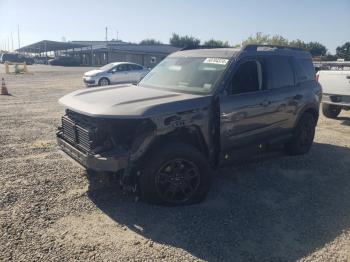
x=195 y=111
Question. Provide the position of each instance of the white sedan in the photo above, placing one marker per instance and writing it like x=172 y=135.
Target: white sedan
x=115 y=73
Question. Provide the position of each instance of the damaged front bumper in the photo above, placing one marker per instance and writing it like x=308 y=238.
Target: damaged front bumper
x=111 y=161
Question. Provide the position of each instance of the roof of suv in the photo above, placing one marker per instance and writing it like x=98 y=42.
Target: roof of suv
x=214 y=52
x=231 y=52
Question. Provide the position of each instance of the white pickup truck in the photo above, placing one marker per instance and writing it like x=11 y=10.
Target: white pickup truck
x=336 y=91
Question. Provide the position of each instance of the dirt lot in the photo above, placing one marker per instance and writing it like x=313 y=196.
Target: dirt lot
x=278 y=209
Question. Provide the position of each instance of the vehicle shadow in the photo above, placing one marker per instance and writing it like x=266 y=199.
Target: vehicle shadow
x=345 y=120
x=281 y=208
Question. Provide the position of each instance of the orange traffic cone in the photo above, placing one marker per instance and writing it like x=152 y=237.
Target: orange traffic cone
x=3 y=88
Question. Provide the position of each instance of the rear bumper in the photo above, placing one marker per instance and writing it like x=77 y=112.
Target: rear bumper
x=111 y=161
x=334 y=99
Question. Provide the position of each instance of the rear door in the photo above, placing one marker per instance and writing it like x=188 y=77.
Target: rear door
x=136 y=72
x=286 y=93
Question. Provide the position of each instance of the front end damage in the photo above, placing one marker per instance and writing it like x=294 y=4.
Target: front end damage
x=119 y=146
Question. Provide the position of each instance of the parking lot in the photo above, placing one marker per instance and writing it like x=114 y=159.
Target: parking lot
x=278 y=208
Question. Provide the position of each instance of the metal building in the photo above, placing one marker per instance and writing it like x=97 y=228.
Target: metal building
x=97 y=53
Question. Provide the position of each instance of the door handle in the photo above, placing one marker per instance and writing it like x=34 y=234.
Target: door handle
x=347 y=77
x=265 y=103
x=225 y=116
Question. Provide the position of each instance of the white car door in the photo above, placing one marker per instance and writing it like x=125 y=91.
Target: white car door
x=135 y=73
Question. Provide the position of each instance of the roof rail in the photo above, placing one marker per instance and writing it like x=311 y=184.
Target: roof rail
x=201 y=47
x=269 y=47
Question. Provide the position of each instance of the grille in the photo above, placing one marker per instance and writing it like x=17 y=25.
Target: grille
x=79 y=136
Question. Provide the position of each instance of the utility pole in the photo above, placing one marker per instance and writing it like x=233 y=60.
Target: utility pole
x=12 y=41
x=19 y=42
x=106 y=34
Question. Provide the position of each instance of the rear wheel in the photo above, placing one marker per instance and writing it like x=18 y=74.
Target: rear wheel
x=176 y=174
x=303 y=135
x=330 y=111
x=103 y=82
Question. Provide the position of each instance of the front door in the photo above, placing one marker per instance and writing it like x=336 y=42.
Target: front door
x=120 y=74
x=247 y=110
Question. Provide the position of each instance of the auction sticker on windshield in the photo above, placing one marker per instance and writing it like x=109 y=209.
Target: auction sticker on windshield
x=218 y=61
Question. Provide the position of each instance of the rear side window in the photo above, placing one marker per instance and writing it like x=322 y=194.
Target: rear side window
x=135 y=67
x=282 y=74
x=123 y=67
x=305 y=70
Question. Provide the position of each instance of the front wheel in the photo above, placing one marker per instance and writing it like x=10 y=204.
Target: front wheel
x=175 y=174
x=103 y=82
x=303 y=135
x=330 y=111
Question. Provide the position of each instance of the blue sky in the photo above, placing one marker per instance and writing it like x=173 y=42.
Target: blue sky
x=325 y=21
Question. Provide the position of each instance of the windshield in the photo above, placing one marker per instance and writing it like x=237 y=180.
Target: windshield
x=188 y=74
x=107 y=67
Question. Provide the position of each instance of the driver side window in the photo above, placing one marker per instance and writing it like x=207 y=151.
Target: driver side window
x=249 y=77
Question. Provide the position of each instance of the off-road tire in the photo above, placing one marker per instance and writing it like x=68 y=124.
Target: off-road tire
x=158 y=158
x=330 y=111
x=303 y=135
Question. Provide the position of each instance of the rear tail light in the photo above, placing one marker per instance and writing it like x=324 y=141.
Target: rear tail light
x=317 y=77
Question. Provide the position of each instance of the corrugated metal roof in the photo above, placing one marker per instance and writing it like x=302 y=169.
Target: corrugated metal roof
x=48 y=46
x=132 y=48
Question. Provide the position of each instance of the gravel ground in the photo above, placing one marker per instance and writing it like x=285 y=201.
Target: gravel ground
x=278 y=209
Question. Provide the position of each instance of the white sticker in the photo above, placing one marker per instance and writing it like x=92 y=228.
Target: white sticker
x=175 y=68
x=218 y=61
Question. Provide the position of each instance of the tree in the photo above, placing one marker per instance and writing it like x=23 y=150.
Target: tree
x=262 y=39
x=344 y=51
x=298 y=43
x=216 y=43
x=184 y=41
x=329 y=57
x=316 y=49
x=259 y=39
x=150 y=42
x=278 y=40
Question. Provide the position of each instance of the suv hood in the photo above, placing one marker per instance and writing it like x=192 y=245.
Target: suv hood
x=129 y=101
x=93 y=72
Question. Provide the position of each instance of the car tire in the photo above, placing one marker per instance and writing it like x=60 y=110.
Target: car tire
x=303 y=135
x=330 y=111
x=175 y=174
x=103 y=81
